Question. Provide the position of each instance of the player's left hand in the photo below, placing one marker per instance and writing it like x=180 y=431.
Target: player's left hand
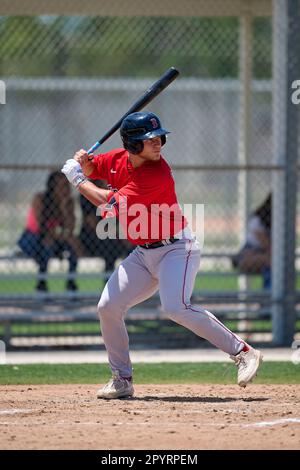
x=86 y=161
x=73 y=172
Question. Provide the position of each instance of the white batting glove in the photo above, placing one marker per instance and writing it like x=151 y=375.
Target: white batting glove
x=73 y=172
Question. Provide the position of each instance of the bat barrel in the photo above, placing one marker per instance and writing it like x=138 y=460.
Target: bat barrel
x=157 y=87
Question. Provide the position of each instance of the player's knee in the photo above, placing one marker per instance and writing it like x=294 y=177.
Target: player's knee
x=173 y=310
x=105 y=308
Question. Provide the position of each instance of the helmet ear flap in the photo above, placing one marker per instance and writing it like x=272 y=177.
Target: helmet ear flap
x=163 y=139
x=134 y=147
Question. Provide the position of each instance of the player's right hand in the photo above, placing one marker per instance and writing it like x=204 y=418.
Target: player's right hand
x=73 y=172
x=85 y=161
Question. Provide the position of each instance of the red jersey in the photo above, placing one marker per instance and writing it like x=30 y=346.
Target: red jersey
x=144 y=198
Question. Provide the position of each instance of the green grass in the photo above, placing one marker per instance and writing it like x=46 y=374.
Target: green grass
x=93 y=328
x=216 y=373
x=203 y=283
x=55 y=328
x=27 y=286
x=212 y=283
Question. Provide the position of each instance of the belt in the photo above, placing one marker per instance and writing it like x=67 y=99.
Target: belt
x=168 y=241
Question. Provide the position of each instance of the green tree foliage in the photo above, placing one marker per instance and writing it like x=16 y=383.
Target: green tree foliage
x=262 y=48
x=116 y=46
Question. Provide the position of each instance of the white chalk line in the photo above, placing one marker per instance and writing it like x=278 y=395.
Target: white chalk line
x=15 y=411
x=263 y=424
x=260 y=424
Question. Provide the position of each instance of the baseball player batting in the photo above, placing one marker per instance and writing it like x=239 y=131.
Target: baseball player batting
x=166 y=257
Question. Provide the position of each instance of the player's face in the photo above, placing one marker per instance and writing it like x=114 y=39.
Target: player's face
x=151 y=150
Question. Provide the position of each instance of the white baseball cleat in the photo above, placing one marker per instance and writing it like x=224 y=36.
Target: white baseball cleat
x=117 y=387
x=248 y=363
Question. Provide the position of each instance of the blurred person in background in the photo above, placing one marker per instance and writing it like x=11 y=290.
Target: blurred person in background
x=255 y=256
x=49 y=229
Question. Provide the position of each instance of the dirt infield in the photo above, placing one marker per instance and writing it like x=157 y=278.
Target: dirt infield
x=159 y=417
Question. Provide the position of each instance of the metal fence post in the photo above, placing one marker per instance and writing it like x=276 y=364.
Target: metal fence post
x=245 y=69
x=285 y=153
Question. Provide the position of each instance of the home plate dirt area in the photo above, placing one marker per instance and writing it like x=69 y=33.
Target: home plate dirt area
x=158 y=417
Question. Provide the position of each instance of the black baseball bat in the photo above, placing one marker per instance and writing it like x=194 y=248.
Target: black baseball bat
x=154 y=90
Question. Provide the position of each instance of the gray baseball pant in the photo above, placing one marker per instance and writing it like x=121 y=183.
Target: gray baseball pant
x=171 y=269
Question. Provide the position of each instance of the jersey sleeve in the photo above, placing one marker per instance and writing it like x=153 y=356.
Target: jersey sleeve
x=101 y=167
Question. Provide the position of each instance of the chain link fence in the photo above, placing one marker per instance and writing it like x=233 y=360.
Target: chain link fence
x=69 y=78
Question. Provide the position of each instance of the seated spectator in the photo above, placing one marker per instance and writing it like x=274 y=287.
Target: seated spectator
x=91 y=245
x=255 y=256
x=49 y=229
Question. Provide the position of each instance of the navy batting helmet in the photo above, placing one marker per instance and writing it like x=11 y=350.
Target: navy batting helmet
x=137 y=127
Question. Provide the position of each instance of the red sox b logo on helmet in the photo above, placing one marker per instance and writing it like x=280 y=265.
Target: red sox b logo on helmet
x=154 y=123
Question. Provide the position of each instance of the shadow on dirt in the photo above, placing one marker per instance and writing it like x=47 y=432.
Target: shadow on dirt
x=177 y=399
